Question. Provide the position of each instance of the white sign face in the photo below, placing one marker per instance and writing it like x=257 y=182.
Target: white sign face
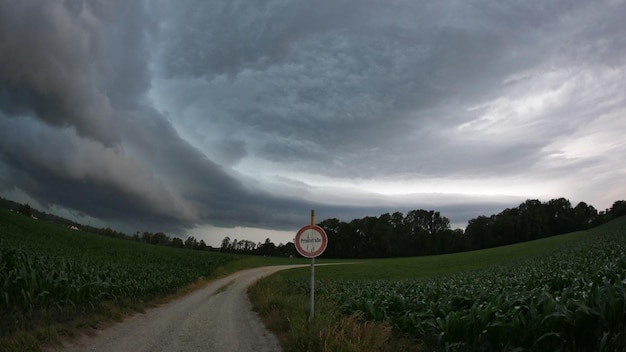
x=311 y=241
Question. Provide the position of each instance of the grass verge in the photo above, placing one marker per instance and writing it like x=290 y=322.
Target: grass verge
x=286 y=312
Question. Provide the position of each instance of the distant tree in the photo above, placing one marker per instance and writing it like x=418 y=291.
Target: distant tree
x=288 y=249
x=225 y=244
x=561 y=215
x=397 y=220
x=417 y=225
x=202 y=246
x=249 y=246
x=479 y=230
x=160 y=238
x=25 y=209
x=386 y=236
x=534 y=222
x=190 y=242
x=438 y=223
x=368 y=244
x=506 y=227
x=418 y=221
x=584 y=215
x=177 y=242
x=618 y=209
x=146 y=236
x=337 y=244
x=268 y=248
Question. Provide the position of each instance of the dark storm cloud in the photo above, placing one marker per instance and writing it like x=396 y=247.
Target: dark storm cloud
x=249 y=113
x=50 y=50
x=55 y=69
x=58 y=167
x=82 y=68
x=219 y=197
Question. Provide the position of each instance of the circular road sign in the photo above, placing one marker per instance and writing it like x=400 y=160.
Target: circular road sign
x=311 y=241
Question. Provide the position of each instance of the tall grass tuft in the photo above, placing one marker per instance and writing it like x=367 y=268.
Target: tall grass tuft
x=286 y=312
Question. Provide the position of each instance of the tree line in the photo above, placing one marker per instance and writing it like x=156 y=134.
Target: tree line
x=267 y=248
x=156 y=238
x=418 y=233
x=533 y=220
x=426 y=232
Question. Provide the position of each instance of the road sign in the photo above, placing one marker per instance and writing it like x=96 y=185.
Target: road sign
x=311 y=241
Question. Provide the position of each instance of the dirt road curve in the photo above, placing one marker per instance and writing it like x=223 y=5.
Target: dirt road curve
x=218 y=317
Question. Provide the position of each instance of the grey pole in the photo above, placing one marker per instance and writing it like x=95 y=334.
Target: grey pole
x=312 y=288
x=312 y=274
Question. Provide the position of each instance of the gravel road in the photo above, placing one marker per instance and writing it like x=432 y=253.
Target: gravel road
x=218 y=317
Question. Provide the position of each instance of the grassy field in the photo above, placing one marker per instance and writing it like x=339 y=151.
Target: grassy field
x=560 y=293
x=54 y=280
x=431 y=266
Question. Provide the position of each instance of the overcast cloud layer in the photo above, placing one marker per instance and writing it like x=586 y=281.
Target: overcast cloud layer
x=173 y=115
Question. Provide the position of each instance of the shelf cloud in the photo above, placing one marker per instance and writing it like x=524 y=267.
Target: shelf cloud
x=167 y=116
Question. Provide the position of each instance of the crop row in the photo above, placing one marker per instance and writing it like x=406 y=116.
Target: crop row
x=45 y=268
x=574 y=299
x=38 y=281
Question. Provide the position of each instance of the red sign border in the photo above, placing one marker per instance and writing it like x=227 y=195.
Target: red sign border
x=317 y=252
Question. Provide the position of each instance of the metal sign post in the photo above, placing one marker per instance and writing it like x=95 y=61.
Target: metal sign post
x=310 y=242
x=312 y=314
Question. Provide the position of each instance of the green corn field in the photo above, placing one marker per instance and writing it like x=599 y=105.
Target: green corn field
x=48 y=268
x=568 y=299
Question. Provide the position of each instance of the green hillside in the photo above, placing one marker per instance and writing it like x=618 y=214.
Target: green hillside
x=53 y=278
x=561 y=293
x=420 y=267
x=56 y=266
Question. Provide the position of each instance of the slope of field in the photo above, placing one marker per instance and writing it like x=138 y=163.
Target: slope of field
x=437 y=265
x=561 y=293
x=51 y=273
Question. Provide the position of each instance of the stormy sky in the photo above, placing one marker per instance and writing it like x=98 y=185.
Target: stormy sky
x=238 y=117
